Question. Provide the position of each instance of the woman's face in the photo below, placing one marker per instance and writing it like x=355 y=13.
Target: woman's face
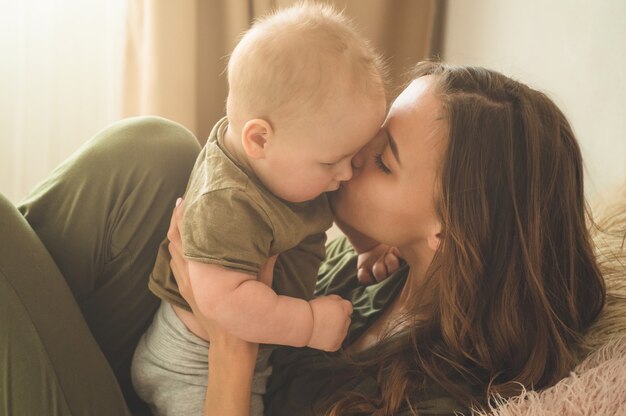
x=391 y=194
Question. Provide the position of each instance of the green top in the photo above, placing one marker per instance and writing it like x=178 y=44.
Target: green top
x=302 y=374
x=231 y=219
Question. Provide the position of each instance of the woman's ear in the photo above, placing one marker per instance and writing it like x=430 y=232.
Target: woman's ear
x=435 y=237
x=255 y=136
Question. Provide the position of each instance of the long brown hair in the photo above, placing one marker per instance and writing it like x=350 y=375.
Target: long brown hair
x=514 y=283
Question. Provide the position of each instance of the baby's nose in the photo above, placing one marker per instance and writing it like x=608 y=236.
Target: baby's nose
x=345 y=172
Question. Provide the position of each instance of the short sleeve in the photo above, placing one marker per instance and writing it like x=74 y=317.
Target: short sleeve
x=225 y=227
x=296 y=269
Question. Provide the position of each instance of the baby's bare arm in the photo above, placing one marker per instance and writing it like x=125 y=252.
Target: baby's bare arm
x=248 y=308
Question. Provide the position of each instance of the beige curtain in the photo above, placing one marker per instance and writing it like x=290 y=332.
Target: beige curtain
x=176 y=51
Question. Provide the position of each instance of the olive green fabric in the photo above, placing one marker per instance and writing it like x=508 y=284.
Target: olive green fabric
x=101 y=216
x=50 y=363
x=232 y=220
x=301 y=376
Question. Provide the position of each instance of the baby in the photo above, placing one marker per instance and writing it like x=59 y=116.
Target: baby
x=305 y=94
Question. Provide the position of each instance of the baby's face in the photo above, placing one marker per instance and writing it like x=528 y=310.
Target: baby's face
x=315 y=156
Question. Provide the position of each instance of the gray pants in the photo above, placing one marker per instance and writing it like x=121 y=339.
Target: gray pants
x=170 y=368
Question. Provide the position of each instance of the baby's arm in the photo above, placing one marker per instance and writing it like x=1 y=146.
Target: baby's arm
x=252 y=311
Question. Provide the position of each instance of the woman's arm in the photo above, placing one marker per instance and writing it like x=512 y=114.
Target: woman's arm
x=231 y=359
x=232 y=362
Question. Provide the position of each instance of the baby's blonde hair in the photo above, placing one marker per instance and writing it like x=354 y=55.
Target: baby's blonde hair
x=292 y=61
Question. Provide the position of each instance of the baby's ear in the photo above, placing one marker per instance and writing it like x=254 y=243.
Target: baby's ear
x=255 y=136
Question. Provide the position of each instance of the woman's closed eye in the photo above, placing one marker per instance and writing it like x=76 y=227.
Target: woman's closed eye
x=378 y=159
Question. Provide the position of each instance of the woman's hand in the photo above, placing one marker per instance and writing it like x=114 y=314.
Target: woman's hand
x=178 y=263
x=231 y=359
x=377 y=264
x=180 y=270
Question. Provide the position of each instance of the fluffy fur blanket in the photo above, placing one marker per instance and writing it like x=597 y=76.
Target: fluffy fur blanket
x=597 y=386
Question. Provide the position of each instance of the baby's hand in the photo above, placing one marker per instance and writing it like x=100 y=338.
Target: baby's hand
x=377 y=264
x=331 y=319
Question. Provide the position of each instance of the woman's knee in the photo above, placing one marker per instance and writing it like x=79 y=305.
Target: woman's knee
x=165 y=134
x=142 y=147
x=154 y=140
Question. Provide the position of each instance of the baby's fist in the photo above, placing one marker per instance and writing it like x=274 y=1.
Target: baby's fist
x=377 y=264
x=331 y=319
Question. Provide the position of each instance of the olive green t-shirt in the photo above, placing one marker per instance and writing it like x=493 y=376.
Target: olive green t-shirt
x=232 y=220
x=302 y=377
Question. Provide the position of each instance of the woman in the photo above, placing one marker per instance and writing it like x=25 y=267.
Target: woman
x=487 y=209
x=477 y=179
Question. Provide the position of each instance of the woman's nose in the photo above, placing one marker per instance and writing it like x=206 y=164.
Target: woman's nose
x=359 y=159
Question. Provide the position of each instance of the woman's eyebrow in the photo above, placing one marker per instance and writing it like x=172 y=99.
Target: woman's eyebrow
x=393 y=146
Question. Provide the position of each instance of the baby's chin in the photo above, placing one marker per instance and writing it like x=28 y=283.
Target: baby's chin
x=337 y=198
x=294 y=196
x=334 y=187
x=301 y=198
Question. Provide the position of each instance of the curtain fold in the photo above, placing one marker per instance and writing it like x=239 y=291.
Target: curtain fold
x=176 y=52
x=60 y=82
